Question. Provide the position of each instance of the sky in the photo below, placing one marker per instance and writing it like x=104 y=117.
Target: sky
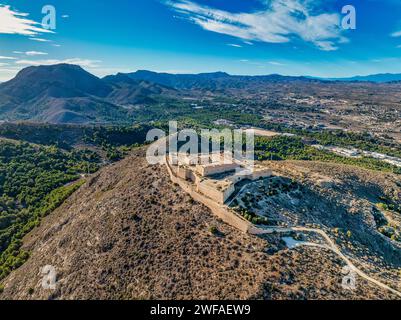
x=253 y=37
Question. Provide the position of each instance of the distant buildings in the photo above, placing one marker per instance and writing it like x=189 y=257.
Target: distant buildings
x=391 y=160
x=355 y=153
x=223 y=122
x=349 y=153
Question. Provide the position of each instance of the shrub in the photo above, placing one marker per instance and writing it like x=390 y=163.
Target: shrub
x=213 y=230
x=382 y=206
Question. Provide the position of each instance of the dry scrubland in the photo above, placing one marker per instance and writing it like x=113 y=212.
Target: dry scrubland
x=128 y=233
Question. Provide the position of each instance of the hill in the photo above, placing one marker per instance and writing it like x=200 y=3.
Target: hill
x=58 y=94
x=128 y=91
x=212 y=81
x=66 y=93
x=128 y=233
x=380 y=78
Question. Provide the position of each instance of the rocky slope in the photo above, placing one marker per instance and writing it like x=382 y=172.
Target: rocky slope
x=128 y=233
x=66 y=93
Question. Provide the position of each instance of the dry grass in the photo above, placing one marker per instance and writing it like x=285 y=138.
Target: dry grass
x=130 y=234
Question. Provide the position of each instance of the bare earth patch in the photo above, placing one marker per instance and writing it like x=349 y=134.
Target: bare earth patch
x=128 y=233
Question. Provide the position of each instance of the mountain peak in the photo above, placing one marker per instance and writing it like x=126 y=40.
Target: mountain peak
x=67 y=78
x=214 y=75
x=379 y=78
x=50 y=68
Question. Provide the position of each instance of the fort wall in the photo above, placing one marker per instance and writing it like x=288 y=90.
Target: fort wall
x=228 y=216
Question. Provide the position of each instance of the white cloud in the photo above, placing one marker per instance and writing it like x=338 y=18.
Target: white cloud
x=234 y=45
x=396 y=34
x=13 y=22
x=39 y=39
x=82 y=62
x=275 y=63
x=35 y=53
x=7 y=58
x=3 y=64
x=279 y=22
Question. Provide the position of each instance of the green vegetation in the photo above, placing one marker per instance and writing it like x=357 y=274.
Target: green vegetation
x=37 y=177
x=33 y=182
x=389 y=206
x=390 y=232
x=13 y=256
x=249 y=202
x=251 y=217
x=283 y=147
x=380 y=219
x=293 y=148
x=201 y=116
x=213 y=230
x=383 y=225
x=114 y=141
x=363 y=141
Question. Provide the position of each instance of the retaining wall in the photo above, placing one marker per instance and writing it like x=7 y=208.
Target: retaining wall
x=225 y=214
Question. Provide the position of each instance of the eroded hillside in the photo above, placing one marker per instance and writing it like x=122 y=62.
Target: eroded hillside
x=128 y=233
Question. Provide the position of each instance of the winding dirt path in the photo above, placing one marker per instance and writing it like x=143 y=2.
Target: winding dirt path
x=333 y=247
x=330 y=243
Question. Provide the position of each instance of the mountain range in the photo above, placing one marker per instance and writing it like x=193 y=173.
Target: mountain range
x=218 y=80
x=65 y=93
x=379 y=78
x=210 y=81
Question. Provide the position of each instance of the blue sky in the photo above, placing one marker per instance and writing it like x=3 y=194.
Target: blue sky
x=290 y=37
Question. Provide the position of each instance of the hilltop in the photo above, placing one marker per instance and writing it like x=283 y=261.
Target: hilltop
x=128 y=233
x=65 y=93
x=68 y=94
